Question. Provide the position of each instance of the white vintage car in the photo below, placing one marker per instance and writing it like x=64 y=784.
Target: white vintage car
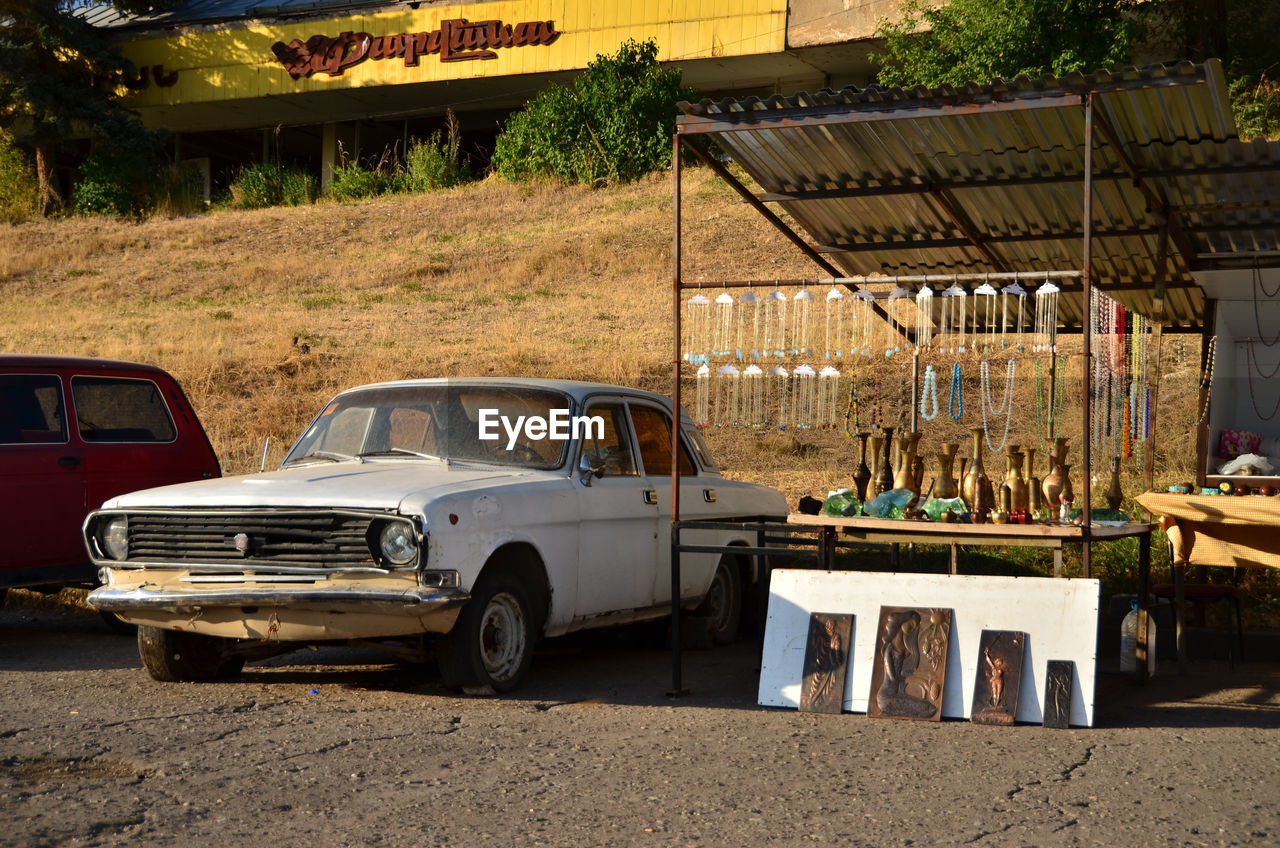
x=483 y=513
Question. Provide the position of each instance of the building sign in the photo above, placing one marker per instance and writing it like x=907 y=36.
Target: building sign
x=457 y=40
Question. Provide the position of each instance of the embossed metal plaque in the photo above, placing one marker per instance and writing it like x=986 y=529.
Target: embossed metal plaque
x=826 y=659
x=911 y=663
x=995 y=692
x=1057 y=693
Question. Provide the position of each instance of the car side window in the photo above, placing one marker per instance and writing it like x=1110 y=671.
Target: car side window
x=653 y=433
x=611 y=446
x=31 y=409
x=117 y=409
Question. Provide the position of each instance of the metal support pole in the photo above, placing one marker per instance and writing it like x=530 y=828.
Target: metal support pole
x=1086 y=279
x=677 y=684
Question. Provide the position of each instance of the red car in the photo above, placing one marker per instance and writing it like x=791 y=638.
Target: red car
x=73 y=433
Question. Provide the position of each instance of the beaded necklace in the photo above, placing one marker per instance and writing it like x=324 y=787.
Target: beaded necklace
x=1005 y=406
x=1046 y=413
x=955 y=406
x=929 y=393
x=1206 y=377
x=851 y=409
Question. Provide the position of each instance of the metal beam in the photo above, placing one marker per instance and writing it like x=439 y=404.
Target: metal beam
x=917 y=244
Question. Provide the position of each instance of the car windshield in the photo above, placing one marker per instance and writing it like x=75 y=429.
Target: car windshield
x=491 y=424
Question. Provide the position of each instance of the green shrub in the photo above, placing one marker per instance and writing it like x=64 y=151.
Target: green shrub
x=352 y=182
x=19 y=194
x=266 y=184
x=437 y=162
x=1256 y=105
x=181 y=191
x=614 y=123
x=124 y=174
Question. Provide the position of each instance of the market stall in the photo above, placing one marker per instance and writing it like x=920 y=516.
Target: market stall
x=972 y=231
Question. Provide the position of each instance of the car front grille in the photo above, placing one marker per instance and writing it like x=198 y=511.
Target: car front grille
x=311 y=538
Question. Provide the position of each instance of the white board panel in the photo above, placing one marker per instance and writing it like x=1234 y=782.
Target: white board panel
x=1059 y=616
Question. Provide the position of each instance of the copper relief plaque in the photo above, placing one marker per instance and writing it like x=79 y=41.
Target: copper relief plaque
x=826 y=660
x=911 y=663
x=995 y=692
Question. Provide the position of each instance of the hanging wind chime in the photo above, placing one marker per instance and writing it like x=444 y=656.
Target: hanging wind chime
x=1008 y=304
x=778 y=389
x=901 y=306
x=775 y=323
x=803 y=396
x=862 y=322
x=829 y=397
x=833 y=336
x=727 y=380
x=984 y=318
x=924 y=318
x=802 y=323
x=702 y=395
x=697 y=322
x=954 y=318
x=749 y=316
x=752 y=396
x=723 y=329
x=1045 y=337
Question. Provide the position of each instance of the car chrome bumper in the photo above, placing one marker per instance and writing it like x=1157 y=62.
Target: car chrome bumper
x=408 y=602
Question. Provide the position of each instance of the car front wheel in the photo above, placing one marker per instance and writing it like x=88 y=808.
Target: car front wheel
x=172 y=656
x=723 y=604
x=492 y=642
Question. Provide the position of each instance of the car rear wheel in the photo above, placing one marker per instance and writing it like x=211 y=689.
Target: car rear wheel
x=723 y=604
x=172 y=656
x=491 y=644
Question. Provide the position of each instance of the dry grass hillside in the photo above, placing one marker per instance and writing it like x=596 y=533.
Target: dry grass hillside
x=262 y=315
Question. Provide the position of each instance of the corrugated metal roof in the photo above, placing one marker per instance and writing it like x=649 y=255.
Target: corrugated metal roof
x=987 y=178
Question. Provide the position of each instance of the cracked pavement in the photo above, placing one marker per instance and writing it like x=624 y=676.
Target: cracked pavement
x=347 y=747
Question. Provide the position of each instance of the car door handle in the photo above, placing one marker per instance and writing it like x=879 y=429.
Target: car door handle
x=650 y=496
x=69 y=461
x=709 y=495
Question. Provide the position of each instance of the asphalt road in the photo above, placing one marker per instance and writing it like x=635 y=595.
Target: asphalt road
x=344 y=747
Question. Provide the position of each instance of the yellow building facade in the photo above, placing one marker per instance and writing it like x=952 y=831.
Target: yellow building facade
x=313 y=78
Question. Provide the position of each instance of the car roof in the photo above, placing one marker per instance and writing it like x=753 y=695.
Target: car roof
x=13 y=361
x=576 y=389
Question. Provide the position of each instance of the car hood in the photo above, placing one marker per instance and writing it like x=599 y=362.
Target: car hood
x=369 y=485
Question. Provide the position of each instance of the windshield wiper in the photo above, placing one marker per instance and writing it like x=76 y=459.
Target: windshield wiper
x=400 y=452
x=332 y=456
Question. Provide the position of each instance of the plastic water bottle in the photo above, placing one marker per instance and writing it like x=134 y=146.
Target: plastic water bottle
x=1129 y=642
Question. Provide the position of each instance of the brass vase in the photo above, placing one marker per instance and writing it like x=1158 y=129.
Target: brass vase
x=969 y=484
x=944 y=485
x=884 y=477
x=1018 y=497
x=862 y=475
x=903 y=478
x=1035 y=495
x=1052 y=484
x=1114 y=496
x=875 y=487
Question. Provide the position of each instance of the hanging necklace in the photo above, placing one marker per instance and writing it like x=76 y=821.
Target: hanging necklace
x=1206 y=377
x=955 y=407
x=1257 y=317
x=1046 y=412
x=851 y=409
x=1253 y=398
x=1005 y=406
x=929 y=393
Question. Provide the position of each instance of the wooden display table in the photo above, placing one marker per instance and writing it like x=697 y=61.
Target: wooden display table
x=889 y=531
x=1217 y=530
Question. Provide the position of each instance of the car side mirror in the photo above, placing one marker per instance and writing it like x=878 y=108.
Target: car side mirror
x=587 y=469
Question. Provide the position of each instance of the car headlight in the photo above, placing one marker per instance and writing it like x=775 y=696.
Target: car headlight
x=399 y=542
x=114 y=537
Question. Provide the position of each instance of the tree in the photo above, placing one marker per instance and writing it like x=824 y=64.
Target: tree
x=979 y=40
x=614 y=123
x=58 y=78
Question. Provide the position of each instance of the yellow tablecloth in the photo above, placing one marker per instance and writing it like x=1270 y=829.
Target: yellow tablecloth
x=1219 y=530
